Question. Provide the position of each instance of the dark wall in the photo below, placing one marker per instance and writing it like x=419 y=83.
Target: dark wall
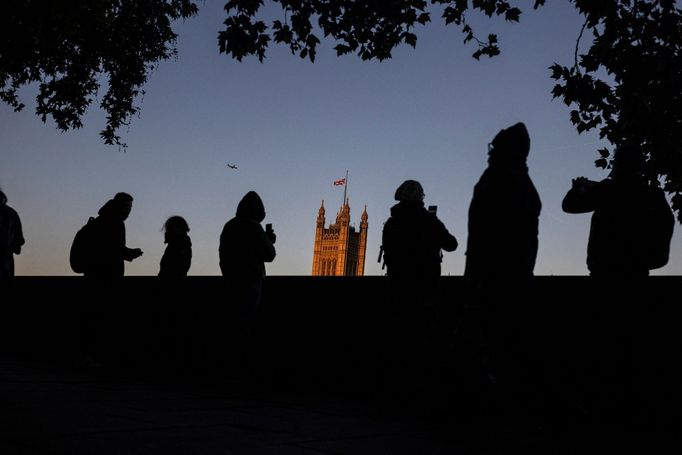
x=328 y=331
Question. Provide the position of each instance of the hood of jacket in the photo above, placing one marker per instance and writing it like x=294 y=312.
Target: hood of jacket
x=251 y=207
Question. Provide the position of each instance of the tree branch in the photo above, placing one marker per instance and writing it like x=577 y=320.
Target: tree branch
x=577 y=44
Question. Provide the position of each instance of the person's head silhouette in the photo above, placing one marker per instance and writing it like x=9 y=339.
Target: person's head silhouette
x=123 y=203
x=628 y=163
x=410 y=190
x=175 y=228
x=510 y=145
x=3 y=198
x=251 y=207
x=175 y=225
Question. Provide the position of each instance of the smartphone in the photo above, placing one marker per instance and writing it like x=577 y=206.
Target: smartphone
x=433 y=209
x=268 y=227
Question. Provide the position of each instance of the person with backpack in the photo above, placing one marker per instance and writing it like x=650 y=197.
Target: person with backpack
x=413 y=237
x=630 y=234
x=98 y=252
x=632 y=223
x=11 y=241
x=108 y=251
x=412 y=241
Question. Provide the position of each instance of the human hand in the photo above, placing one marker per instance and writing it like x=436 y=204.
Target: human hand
x=136 y=253
x=270 y=233
x=579 y=182
x=583 y=184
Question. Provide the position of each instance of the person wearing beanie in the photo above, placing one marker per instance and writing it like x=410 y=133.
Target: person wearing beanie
x=502 y=246
x=502 y=241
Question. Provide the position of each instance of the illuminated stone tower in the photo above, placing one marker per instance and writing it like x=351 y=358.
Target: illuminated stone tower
x=340 y=249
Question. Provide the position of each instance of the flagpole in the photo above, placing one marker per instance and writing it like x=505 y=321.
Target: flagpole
x=345 y=187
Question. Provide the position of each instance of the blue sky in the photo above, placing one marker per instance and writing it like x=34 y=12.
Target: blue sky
x=294 y=127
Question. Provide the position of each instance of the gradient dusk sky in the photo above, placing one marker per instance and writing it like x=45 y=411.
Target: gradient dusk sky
x=292 y=128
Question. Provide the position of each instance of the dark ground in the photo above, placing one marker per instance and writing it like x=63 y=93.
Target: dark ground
x=313 y=387
x=49 y=409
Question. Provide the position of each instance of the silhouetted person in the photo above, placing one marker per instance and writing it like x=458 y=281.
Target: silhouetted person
x=11 y=241
x=177 y=258
x=110 y=250
x=103 y=276
x=630 y=234
x=502 y=246
x=412 y=241
x=245 y=247
x=176 y=319
x=504 y=213
x=632 y=223
x=413 y=237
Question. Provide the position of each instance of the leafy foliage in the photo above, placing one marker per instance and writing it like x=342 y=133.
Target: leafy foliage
x=369 y=28
x=627 y=84
x=70 y=47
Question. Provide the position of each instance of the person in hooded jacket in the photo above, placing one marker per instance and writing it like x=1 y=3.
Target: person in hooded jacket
x=245 y=247
x=109 y=249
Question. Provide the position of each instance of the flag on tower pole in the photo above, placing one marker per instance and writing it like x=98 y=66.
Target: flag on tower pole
x=344 y=182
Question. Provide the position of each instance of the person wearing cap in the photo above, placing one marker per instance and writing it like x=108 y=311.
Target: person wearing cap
x=413 y=237
x=412 y=241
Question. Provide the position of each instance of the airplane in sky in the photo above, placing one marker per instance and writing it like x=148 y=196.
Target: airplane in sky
x=232 y=166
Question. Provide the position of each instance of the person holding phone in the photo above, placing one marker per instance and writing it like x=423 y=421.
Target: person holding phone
x=413 y=236
x=245 y=247
x=412 y=240
x=632 y=223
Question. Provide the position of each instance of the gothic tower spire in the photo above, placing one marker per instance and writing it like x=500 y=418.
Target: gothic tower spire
x=339 y=249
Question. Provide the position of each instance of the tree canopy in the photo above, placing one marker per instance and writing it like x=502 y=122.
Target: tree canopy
x=626 y=84
x=71 y=47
